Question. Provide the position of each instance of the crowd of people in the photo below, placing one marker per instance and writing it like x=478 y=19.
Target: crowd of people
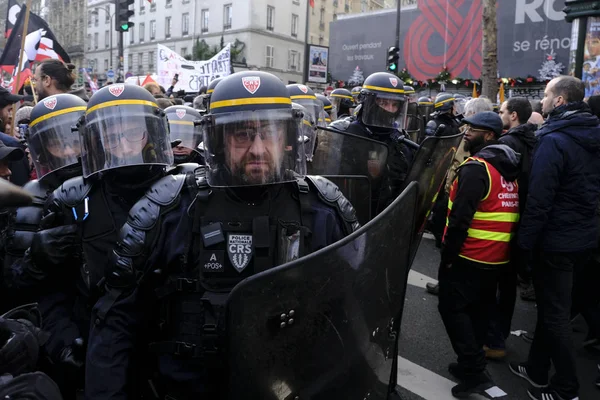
x=150 y=207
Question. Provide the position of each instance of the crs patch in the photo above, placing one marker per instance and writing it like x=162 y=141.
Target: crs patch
x=394 y=82
x=116 y=90
x=50 y=103
x=240 y=250
x=180 y=113
x=212 y=261
x=251 y=83
x=303 y=88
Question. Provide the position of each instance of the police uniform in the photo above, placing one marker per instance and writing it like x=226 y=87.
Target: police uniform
x=185 y=247
x=125 y=148
x=54 y=149
x=186 y=134
x=377 y=123
x=443 y=114
x=343 y=101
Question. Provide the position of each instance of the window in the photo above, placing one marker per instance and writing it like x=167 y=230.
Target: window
x=142 y=29
x=96 y=41
x=270 y=18
x=89 y=19
x=322 y=18
x=131 y=37
x=106 y=39
x=153 y=6
x=185 y=24
x=105 y=64
x=96 y=19
x=294 y=25
x=204 y=21
x=151 y=62
x=183 y=51
x=107 y=15
x=130 y=62
x=227 y=16
x=293 y=60
x=142 y=6
x=168 y=27
x=152 y=30
x=296 y=1
x=169 y=4
x=140 y=62
x=89 y=41
x=269 y=58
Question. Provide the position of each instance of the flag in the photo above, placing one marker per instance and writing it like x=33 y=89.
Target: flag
x=40 y=44
x=148 y=80
x=475 y=94
x=12 y=13
x=93 y=85
x=312 y=3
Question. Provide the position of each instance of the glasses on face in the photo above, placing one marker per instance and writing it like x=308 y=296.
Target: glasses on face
x=57 y=145
x=475 y=130
x=593 y=42
x=113 y=139
x=244 y=136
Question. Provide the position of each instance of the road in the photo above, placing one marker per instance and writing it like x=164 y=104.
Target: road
x=425 y=350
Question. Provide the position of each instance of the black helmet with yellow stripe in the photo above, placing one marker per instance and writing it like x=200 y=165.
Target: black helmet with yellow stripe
x=123 y=127
x=355 y=93
x=209 y=91
x=252 y=134
x=53 y=143
x=342 y=100
x=383 y=101
x=425 y=106
x=444 y=103
x=303 y=95
x=330 y=111
x=184 y=128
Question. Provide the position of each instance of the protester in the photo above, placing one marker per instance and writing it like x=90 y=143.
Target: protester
x=19 y=168
x=53 y=77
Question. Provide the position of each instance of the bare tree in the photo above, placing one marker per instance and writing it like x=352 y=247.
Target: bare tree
x=489 y=70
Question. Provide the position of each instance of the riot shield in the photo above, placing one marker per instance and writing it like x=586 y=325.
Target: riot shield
x=357 y=190
x=429 y=169
x=321 y=327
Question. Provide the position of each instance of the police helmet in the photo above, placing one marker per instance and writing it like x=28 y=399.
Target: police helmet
x=459 y=103
x=123 y=127
x=383 y=101
x=53 y=143
x=425 y=106
x=342 y=100
x=355 y=93
x=251 y=135
x=209 y=91
x=444 y=103
x=308 y=134
x=305 y=96
x=329 y=109
x=184 y=126
x=200 y=102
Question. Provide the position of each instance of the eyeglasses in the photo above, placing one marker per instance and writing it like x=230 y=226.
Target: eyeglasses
x=134 y=135
x=244 y=136
x=471 y=129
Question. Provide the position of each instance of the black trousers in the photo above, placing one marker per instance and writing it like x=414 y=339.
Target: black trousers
x=553 y=276
x=467 y=296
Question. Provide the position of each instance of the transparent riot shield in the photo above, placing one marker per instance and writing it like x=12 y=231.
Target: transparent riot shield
x=321 y=327
x=354 y=159
x=429 y=168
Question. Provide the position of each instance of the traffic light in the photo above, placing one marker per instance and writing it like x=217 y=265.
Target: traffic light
x=392 y=59
x=122 y=14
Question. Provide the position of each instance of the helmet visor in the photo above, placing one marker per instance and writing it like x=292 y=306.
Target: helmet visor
x=190 y=135
x=384 y=110
x=115 y=137
x=253 y=148
x=312 y=104
x=53 y=143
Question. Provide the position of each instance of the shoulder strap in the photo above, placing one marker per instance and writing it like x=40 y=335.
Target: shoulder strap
x=330 y=194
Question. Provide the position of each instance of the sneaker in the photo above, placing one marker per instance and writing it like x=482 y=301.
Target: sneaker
x=528 y=294
x=546 y=393
x=521 y=370
x=494 y=354
x=433 y=288
x=472 y=384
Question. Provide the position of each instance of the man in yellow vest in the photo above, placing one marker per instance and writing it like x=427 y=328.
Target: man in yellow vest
x=483 y=211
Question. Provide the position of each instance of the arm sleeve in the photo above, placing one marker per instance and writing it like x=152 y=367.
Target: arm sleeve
x=473 y=184
x=544 y=179
x=57 y=319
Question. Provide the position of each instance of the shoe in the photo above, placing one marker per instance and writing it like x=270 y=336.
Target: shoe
x=456 y=371
x=528 y=337
x=528 y=294
x=433 y=288
x=472 y=384
x=494 y=354
x=521 y=370
x=547 y=393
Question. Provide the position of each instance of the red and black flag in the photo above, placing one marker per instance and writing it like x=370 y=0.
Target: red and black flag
x=40 y=44
x=12 y=13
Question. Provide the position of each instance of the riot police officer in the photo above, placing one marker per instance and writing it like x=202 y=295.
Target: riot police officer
x=186 y=134
x=412 y=115
x=249 y=212
x=381 y=117
x=444 y=114
x=54 y=148
x=125 y=147
x=343 y=101
x=202 y=101
x=303 y=95
x=355 y=93
x=330 y=110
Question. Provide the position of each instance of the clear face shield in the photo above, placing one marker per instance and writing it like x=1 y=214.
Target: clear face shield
x=188 y=132
x=253 y=148
x=459 y=106
x=313 y=106
x=54 y=144
x=384 y=110
x=130 y=135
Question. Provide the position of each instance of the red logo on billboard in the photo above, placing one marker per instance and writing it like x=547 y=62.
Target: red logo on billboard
x=180 y=113
x=251 y=83
x=394 y=82
x=303 y=88
x=50 y=103
x=116 y=90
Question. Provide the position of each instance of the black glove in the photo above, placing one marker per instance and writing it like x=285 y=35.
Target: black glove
x=55 y=246
x=74 y=355
x=19 y=346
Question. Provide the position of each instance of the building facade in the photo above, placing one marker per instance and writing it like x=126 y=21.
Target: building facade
x=67 y=21
x=324 y=12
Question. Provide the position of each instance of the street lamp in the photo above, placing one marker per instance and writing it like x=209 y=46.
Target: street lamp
x=107 y=11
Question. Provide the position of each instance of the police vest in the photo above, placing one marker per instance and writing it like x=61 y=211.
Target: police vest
x=494 y=222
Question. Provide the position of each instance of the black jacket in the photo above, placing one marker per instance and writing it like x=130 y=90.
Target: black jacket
x=473 y=184
x=522 y=139
x=451 y=126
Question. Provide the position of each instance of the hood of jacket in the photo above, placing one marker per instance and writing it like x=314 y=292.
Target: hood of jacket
x=576 y=121
x=503 y=158
x=525 y=133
